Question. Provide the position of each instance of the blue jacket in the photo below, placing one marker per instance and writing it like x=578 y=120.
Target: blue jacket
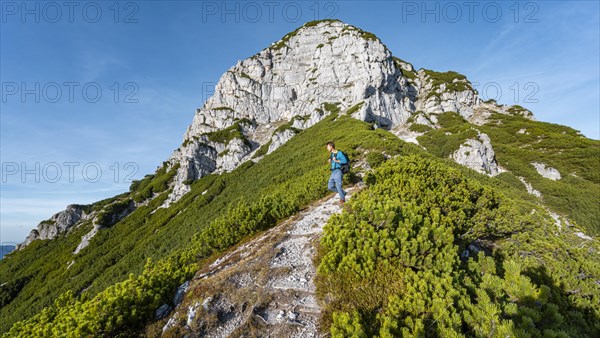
x=340 y=157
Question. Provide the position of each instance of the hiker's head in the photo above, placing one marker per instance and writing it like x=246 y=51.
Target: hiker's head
x=330 y=146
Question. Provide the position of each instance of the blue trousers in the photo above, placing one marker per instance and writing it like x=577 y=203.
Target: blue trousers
x=335 y=183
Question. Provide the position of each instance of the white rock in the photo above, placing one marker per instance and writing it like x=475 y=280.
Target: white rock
x=582 y=235
x=191 y=314
x=556 y=219
x=279 y=139
x=206 y=303
x=59 y=223
x=421 y=119
x=547 y=172
x=85 y=239
x=478 y=155
x=232 y=155
x=530 y=188
x=170 y=323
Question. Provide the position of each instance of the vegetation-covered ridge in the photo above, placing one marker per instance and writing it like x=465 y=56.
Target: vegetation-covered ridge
x=116 y=283
x=430 y=248
x=518 y=142
x=426 y=251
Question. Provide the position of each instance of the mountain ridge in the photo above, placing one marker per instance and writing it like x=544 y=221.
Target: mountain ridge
x=233 y=166
x=228 y=130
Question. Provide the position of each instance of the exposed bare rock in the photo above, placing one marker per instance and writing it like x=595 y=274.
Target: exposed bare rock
x=437 y=99
x=85 y=239
x=110 y=217
x=232 y=155
x=484 y=109
x=280 y=138
x=406 y=134
x=163 y=311
x=59 y=223
x=424 y=120
x=530 y=188
x=180 y=293
x=478 y=155
x=547 y=172
x=309 y=121
x=195 y=159
x=583 y=235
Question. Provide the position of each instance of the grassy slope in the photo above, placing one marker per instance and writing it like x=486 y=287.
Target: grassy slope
x=393 y=264
x=122 y=249
x=577 y=158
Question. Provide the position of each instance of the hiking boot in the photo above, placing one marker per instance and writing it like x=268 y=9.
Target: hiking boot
x=341 y=203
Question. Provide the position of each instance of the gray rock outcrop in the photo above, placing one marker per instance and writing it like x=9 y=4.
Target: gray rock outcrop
x=436 y=99
x=529 y=187
x=478 y=155
x=279 y=139
x=58 y=224
x=547 y=172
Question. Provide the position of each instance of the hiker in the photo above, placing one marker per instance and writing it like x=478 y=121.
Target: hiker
x=336 y=159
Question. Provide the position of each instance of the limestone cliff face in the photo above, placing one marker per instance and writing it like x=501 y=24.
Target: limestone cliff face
x=320 y=68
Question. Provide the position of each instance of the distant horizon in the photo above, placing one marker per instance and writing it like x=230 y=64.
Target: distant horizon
x=3 y=250
x=156 y=62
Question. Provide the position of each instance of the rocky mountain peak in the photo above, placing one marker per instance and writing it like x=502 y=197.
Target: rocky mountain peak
x=322 y=67
x=325 y=61
x=312 y=34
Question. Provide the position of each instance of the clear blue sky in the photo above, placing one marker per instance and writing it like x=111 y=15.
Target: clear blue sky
x=165 y=56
